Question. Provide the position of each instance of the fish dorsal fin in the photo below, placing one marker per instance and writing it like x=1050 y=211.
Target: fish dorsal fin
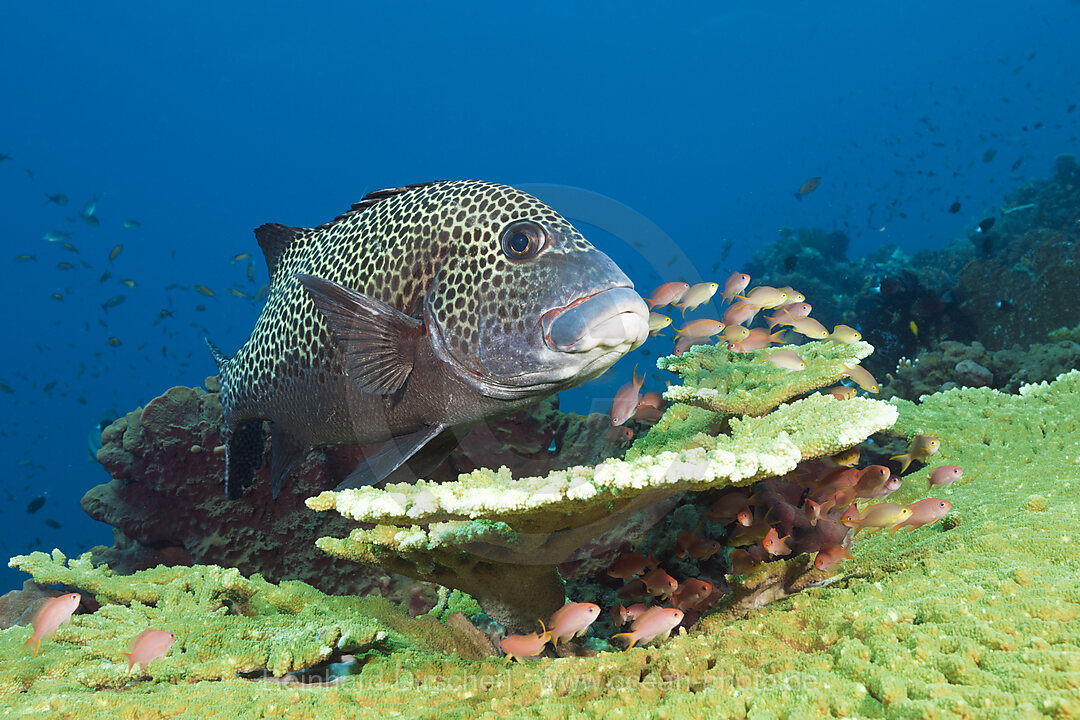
x=378 y=342
x=377 y=196
x=274 y=238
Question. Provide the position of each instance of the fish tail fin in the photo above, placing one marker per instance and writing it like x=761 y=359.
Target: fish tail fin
x=219 y=356
x=905 y=461
x=633 y=639
x=798 y=196
x=36 y=640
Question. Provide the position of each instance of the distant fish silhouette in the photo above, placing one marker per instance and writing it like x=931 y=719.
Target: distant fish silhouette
x=807 y=187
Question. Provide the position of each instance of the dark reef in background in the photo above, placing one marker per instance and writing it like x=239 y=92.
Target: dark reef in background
x=1003 y=289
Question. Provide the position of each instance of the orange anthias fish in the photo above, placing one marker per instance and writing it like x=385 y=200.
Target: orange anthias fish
x=626 y=400
x=925 y=512
x=149 y=646
x=807 y=187
x=945 y=475
x=734 y=285
x=655 y=622
x=830 y=556
x=571 y=620
x=692 y=594
x=523 y=647
x=704 y=328
x=666 y=294
x=774 y=544
x=659 y=583
x=786 y=313
x=52 y=615
x=921 y=447
x=619 y=435
x=630 y=564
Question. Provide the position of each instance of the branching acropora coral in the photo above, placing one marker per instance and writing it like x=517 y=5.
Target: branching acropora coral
x=499 y=538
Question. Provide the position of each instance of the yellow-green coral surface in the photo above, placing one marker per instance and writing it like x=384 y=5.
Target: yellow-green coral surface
x=977 y=616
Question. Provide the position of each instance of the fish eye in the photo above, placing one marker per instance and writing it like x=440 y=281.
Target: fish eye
x=522 y=240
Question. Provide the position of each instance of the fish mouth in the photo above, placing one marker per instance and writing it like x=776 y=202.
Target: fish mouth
x=610 y=318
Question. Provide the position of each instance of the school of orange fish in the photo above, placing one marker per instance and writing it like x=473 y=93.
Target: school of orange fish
x=735 y=328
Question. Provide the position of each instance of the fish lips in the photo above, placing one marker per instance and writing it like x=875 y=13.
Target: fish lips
x=608 y=318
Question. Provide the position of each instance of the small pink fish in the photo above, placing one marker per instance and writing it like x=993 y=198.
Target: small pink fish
x=740 y=313
x=945 y=475
x=667 y=294
x=628 y=565
x=786 y=313
x=841 y=392
x=619 y=435
x=655 y=622
x=652 y=399
x=925 y=512
x=891 y=485
x=685 y=343
x=571 y=620
x=734 y=285
x=704 y=328
x=756 y=340
x=626 y=400
x=524 y=647
x=622 y=615
x=870 y=478
x=692 y=594
x=149 y=646
x=52 y=615
x=786 y=360
x=830 y=556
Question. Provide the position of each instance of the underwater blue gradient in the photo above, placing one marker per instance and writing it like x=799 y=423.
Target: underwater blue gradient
x=205 y=120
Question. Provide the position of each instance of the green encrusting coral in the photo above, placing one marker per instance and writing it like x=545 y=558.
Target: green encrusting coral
x=975 y=617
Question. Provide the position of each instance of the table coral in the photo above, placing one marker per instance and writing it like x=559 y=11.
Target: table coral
x=742 y=384
x=499 y=538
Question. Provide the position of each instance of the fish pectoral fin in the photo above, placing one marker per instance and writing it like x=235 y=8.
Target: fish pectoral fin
x=378 y=341
x=395 y=453
x=286 y=449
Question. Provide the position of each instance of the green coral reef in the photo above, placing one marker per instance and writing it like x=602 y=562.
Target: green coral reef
x=499 y=538
x=976 y=616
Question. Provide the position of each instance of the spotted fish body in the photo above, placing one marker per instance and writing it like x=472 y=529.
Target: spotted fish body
x=418 y=313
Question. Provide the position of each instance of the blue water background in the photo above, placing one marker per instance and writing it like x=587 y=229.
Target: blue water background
x=204 y=120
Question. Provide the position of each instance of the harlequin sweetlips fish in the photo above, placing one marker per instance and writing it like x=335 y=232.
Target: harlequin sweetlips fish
x=417 y=314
